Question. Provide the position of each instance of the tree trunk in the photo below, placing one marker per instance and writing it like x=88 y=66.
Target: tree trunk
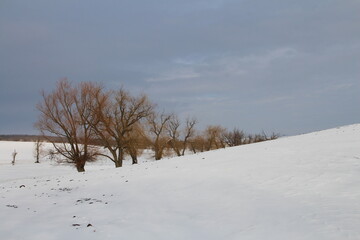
x=158 y=150
x=118 y=163
x=119 y=160
x=133 y=153
x=134 y=159
x=80 y=163
x=158 y=154
x=177 y=152
x=80 y=166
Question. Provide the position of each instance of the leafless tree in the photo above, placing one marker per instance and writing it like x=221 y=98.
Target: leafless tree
x=135 y=142
x=180 y=137
x=274 y=136
x=235 y=137
x=64 y=113
x=197 y=144
x=115 y=115
x=38 y=145
x=174 y=134
x=214 y=137
x=158 y=124
x=13 y=157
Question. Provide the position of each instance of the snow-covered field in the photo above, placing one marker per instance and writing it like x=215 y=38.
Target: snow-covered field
x=302 y=187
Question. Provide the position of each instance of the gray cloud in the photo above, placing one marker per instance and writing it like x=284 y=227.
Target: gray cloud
x=287 y=66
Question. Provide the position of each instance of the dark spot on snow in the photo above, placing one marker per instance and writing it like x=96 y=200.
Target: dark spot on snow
x=89 y=225
x=65 y=189
x=21 y=186
x=90 y=200
x=76 y=225
x=12 y=206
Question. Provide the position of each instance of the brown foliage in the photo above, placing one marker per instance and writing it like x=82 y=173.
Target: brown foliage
x=197 y=144
x=136 y=142
x=116 y=115
x=64 y=113
x=214 y=137
x=235 y=137
x=179 y=138
x=79 y=119
x=158 y=124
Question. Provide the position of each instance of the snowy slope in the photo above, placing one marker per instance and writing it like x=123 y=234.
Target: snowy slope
x=302 y=187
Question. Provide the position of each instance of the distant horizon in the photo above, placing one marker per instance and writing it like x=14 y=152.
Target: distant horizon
x=281 y=135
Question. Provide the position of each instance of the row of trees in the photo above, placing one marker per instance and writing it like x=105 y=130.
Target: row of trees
x=84 y=120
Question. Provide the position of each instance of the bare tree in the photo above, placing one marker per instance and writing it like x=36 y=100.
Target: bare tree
x=174 y=133
x=38 y=144
x=197 y=144
x=135 y=142
x=274 y=136
x=235 y=137
x=13 y=157
x=189 y=132
x=157 y=127
x=115 y=115
x=180 y=137
x=214 y=137
x=64 y=113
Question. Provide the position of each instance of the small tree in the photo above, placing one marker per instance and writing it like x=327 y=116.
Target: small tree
x=274 y=136
x=214 y=137
x=38 y=144
x=13 y=157
x=158 y=124
x=180 y=137
x=235 y=137
x=135 y=142
x=197 y=144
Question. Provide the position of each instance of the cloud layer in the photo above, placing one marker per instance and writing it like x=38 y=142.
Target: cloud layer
x=285 y=66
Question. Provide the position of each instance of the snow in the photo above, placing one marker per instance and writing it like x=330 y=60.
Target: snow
x=301 y=187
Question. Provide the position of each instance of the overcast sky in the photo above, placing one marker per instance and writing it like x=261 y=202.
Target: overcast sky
x=286 y=66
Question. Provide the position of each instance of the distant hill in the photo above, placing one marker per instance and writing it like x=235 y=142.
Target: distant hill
x=19 y=137
x=23 y=138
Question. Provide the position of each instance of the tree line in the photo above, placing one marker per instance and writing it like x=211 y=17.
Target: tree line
x=83 y=120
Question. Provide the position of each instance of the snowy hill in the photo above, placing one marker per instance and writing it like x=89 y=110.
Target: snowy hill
x=302 y=187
